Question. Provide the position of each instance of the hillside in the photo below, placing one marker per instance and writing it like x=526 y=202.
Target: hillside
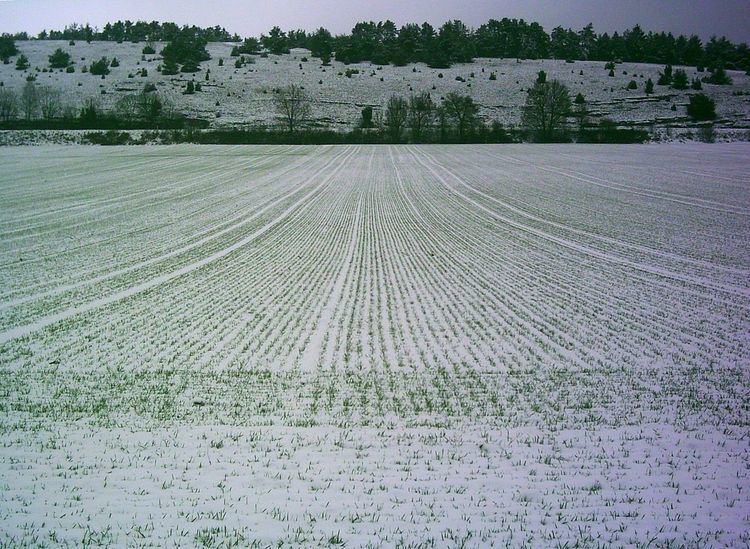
x=233 y=96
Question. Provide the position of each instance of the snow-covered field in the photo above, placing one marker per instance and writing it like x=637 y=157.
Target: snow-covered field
x=420 y=345
x=240 y=96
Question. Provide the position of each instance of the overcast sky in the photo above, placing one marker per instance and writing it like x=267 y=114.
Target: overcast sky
x=251 y=17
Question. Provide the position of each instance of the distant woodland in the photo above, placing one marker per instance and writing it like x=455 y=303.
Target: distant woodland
x=452 y=42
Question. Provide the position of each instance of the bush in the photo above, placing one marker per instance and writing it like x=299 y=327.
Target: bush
x=610 y=66
x=190 y=66
x=111 y=137
x=696 y=84
x=632 y=85
x=100 y=67
x=541 y=77
x=59 y=59
x=169 y=67
x=186 y=49
x=719 y=77
x=114 y=63
x=701 y=107
x=190 y=88
x=611 y=73
x=580 y=99
x=70 y=69
x=22 y=63
x=649 y=89
x=148 y=49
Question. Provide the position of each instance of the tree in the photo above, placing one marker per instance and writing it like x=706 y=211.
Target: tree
x=149 y=49
x=185 y=49
x=29 y=100
x=7 y=47
x=321 y=43
x=665 y=78
x=396 y=112
x=276 y=42
x=701 y=107
x=462 y=111
x=546 y=109
x=366 y=117
x=189 y=88
x=719 y=77
x=22 y=63
x=421 y=112
x=680 y=80
x=50 y=101
x=100 y=67
x=292 y=107
x=8 y=104
x=649 y=89
x=59 y=59
x=541 y=77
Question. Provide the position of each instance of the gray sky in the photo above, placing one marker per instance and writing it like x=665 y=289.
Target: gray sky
x=251 y=17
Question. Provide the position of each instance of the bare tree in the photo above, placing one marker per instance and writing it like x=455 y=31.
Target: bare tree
x=29 y=100
x=463 y=111
x=50 y=101
x=547 y=107
x=127 y=106
x=396 y=112
x=421 y=112
x=292 y=106
x=8 y=104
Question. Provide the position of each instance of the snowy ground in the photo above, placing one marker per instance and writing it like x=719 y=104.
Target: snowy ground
x=244 y=95
x=452 y=346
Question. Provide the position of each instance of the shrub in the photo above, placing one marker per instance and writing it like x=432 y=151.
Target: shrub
x=610 y=66
x=649 y=89
x=632 y=85
x=114 y=63
x=169 y=67
x=190 y=88
x=541 y=77
x=493 y=76
x=190 y=66
x=611 y=73
x=59 y=59
x=701 y=107
x=110 y=137
x=719 y=77
x=70 y=69
x=100 y=67
x=580 y=100
x=148 y=49
x=22 y=63
x=696 y=84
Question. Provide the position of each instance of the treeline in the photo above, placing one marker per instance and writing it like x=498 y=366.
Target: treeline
x=128 y=31
x=454 y=42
